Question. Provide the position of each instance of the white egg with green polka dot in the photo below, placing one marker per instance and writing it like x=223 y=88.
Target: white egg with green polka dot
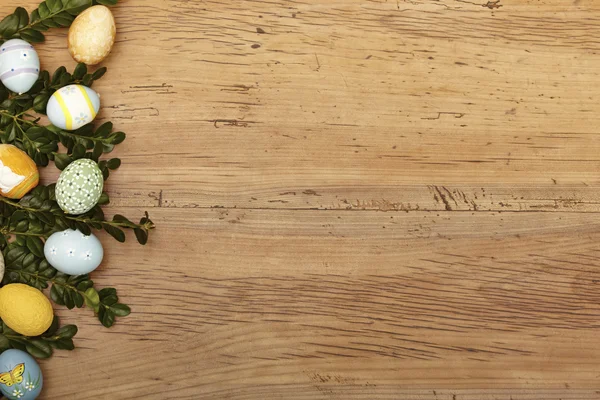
x=79 y=186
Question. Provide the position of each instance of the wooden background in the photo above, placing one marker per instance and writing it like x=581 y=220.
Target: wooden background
x=376 y=199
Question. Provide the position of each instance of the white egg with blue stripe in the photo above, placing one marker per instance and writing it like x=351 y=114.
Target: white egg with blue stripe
x=73 y=106
x=19 y=65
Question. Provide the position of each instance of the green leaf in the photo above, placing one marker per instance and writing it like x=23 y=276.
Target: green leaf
x=40 y=102
x=78 y=151
x=68 y=299
x=54 y=5
x=57 y=75
x=23 y=16
x=121 y=219
x=107 y=2
x=104 y=130
x=57 y=293
x=9 y=26
x=74 y=7
x=63 y=344
x=63 y=19
x=113 y=163
x=4 y=343
x=39 y=348
x=32 y=36
x=35 y=245
x=78 y=299
x=29 y=261
x=97 y=151
x=115 y=232
x=85 y=285
x=46 y=24
x=120 y=310
x=92 y=299
x=53 y=327
x=35 y=16
x=79 y=71
x=14 y=254
x=141 y=236
x=107 y=317
x=66 y=332
x=107 y=292
x=87 y=80
x=99 y=73
x=62 y=160
x=43 y=10
x=104 y=199
x=110 y=300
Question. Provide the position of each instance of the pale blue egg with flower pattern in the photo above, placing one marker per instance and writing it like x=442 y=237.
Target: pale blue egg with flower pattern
x=19 y=65
x=73 y=253
x=20 y=376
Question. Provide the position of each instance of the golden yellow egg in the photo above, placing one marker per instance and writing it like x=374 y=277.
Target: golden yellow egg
x=18 y=172
x=92 y=35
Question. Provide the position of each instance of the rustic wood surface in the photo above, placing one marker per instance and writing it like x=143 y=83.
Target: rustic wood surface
x=376 y=199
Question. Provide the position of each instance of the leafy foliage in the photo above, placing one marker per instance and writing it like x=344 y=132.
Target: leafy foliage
x=41 y=143
x=40 y=346
x=26 y=224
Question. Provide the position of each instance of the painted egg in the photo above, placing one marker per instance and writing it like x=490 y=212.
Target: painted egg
x=18 y=172
x=19 y=65
x=92 y=35
x=73 y=253
x=73 y=106
x=20 y=376
x=79 y=186
x=1 y=266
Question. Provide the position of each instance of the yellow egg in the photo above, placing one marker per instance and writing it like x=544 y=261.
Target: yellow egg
x=92 y=35
x=25 y=309
x=18 y=172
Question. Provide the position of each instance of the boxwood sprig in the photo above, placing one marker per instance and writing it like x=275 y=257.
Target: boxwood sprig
x=49 y=14
x=42 y=346
x=20 y=122
x=26 y=223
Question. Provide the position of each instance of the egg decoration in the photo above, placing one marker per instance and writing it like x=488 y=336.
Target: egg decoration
x=19 y=65
x=73 y=106
x=1 y=266
x=20 y=376
x=18 y=172
x=92 y=35
x=79 y=186
x=25 y=309
x=73 y=253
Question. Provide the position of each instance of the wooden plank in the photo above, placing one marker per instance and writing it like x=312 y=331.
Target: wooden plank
x=355 y=305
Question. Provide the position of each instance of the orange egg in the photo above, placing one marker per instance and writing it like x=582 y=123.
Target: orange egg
x=18 y=172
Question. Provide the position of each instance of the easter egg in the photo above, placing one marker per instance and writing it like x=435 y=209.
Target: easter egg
x=92 y=35
x=19 y=65
x=18 y=172
x=73 y=106
x=20 y=376
x=73 y=253
x=1 y=266
x=25 y=310
x=79 y=186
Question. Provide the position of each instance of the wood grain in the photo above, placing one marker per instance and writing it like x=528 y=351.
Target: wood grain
x=355 y=200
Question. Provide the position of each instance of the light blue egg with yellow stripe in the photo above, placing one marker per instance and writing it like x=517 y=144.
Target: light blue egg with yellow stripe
x=73 y=106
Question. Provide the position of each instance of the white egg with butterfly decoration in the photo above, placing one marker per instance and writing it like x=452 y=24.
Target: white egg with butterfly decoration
x=19 y=65
x=20 y=376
